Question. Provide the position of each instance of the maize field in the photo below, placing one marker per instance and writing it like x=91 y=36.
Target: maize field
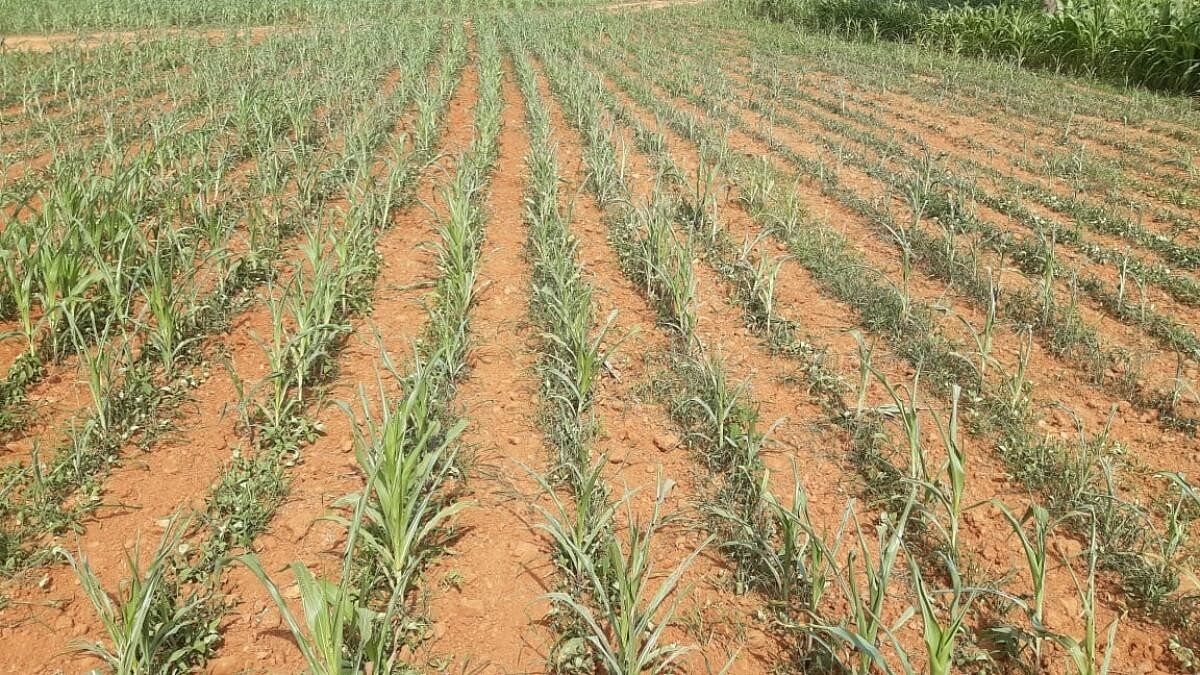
x=559 y=336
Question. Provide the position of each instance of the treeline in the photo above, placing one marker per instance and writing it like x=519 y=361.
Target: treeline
x=1152 y=43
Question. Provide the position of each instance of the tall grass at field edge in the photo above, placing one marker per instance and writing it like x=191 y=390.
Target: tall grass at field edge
x=1150 y=43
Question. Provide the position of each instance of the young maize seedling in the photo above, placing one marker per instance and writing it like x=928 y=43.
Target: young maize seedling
x=823 y=550
x=409 y=458
x=310 y=178
x=1130 y=367
x=1084 y=468
x=626 y=625
x=1034 y=546
x=20 y=285
x=984 y=337
x=715 y=151
x=579 y=359
x=700 y=211
x=316 y=309
x=759 y=187
x=908 y=409
x=271 y=417
x=428 y=104
x=1074 y=291
x=951 y=493
x=457 y=253
x=862 y=634
x=1083 y=655
x=606 y=172
x=788 y=213
x=1187 y=507
x=102 y=365
x=581 y=529
x=666 y=268
x=726 y=427
x=273 y=172
x=778 y=549
x=764 y=275
x=1179 y=516
x=168 y=305
x=1049 y=273
x=1181 y=385
x=1122 y=278
x=901 y=236
x=61 y=290
x=152 y=627
x=1017 y=386
x=865 y=369
x=110 y=259
x=919 y=191
x=343 y=635
x=941 y=635
x=1144 y=300
x=948 y=223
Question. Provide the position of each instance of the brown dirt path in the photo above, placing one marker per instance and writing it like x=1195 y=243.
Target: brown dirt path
x=46 y=616
x=490 y=604
x=61 y=399
x=642 y=444
x=254 y=636
x=996 y=554
x=1157 y=366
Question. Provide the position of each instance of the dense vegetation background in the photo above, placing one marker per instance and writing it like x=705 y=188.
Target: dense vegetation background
x=1155 y=43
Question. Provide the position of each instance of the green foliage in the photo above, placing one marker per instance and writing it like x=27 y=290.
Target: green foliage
x=628 y=615
x=333 y=617
x=409 y=458
x=154 y=624
x=1154 y=43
